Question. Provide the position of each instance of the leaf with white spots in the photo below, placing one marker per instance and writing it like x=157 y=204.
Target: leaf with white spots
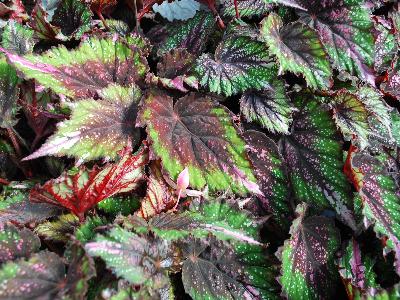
x=357 y=272
x=73 y=18
x=191 y=34
x=15 y=243
x=269 y=107
x=85 y=71
x=385 y=45
x=82 y=189
x=313 y=153
x=240 y=63
x=40 y=277
x=392 y=85
x=308 y=266
x=15 y=207
x=212 y=270
x=270 y=172
x=9 y=93
x=378 y=191
x=17 y=38
x=246 y=8
x=119 y=205
x=199 y=134
x=96 y=128
x=298 y=49
x=345 y=29
x=133 y=257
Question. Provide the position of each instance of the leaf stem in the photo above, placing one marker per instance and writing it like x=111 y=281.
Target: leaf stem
x=4 y=181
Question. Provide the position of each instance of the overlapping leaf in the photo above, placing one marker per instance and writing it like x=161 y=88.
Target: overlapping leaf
x=17 y=38
x=97 y=128
x=191 y=35
x=40 y=23
x=15 y=243
x=344 y=28
x=357 y=272
x=308 y=268
x=58 y=230
x=246 y=8
x=198 y=134
x=392 y=85
x=119 y=205
x=271 y=175
x=83 y=189
x=133 y=257
x=177 y=9
x=298 y=49
x=269 y=107
x=313 y=153
x=240 y=63
x=87 y=70
x=378 y=191
x=8 y=94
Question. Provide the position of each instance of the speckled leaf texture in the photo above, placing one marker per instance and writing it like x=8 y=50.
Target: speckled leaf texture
x=378 y=191
x=246 y=8
x=199 y=134
x=40 y=23
x=270 y=172
x=17 y=38
x=212 y=270
x=133 y=257
x=344 y=28
x=240 y=63
x=313 y=153
x=84 y=188
x=8 y=94
x=96 y=128
x=191 y=34
x=298 y=50
x=356 y=270
x=269 y=107
x=392 y=85
x=308 y=268
x=87 y=70
x=15 y=243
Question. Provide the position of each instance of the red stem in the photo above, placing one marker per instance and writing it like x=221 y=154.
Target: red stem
x=4 y=181
x=100 y=15
x=14 y=141
x=236 y=9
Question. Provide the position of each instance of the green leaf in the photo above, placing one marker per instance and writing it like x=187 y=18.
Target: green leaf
x=392 y=85
x=17 y=38
x=191 y=34
x=96 y=128
x=270 y=171
x=15 y=243
x=58 y=230
x=199 y=134
x=298 y=49
x=9 y=93
x=246 y=8
x=84 y=72
x=313 y=153
x=73 y=18
x=269 y=107
x=86 y=231
x=119 y=205
x=40 y=23
x=308 y=267
x=133 y=257
x=240 y=63
x=357 y=272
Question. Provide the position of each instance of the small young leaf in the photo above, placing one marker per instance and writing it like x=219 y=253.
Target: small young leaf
x=81 y=191
x=15 y=243
x=313 y=153
x=240 y=63
x=269 y=107
x=96 y=128
x=135 y=258
x=59 y=229
x=198 y=134
x=298 y=49
x=191 y=35
x=119 y=205
x=8 y=94
x=308 y=268
x=87 y=70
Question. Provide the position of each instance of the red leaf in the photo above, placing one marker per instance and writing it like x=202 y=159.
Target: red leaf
x=83 y=190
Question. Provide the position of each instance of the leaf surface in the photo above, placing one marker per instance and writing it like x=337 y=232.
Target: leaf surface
x=9 y=93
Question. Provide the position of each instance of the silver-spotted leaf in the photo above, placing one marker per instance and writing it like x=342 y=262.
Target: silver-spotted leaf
x=313 y=153
x=246 y=8
x=17 y=38
x=16 y=243
x=298 y=49
x=199 y=134
x=392 y=84
x=96 y=128
x=133 y=257
x=8 y=94
x=308 y=267
x=240 y=63
x=86 y=70
x=269 y=107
